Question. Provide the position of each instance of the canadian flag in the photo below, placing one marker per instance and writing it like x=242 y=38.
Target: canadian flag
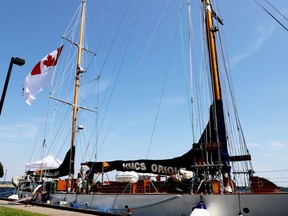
x=41 y=76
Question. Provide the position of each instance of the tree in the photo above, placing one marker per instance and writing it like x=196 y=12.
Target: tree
x=1 y=170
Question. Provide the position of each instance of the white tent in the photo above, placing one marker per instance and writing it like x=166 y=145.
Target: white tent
x=48 y=162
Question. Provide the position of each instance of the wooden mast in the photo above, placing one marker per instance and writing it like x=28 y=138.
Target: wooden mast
x=223 y=158
x=212 y=51
x=76 y=87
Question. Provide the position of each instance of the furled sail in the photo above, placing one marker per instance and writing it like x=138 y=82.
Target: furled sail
x=213 y=140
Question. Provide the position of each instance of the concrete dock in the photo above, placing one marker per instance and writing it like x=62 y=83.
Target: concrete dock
x=40 y=209
x=49 y=210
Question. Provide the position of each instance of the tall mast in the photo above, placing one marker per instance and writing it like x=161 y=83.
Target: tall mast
x=220 y=153
x=212 y=51
x=76 y=87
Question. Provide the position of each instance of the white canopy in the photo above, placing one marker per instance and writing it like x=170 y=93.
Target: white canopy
x=48 y=162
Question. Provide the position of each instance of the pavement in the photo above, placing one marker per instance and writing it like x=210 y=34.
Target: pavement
x=41 y=209
x=4 y=185
x=49 y=210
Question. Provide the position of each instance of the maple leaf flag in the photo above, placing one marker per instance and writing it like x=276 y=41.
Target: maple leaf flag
x=41 y=76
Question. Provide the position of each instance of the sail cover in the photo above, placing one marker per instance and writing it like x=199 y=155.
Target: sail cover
x=213 y=142
x=164 y=167
x=48 y=162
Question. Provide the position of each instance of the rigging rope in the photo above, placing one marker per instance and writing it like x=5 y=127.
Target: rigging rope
x=278 y=21
x=119 y=70
x=237 y=147
x=106 y=93
x=161 y=96
x=190 y=97
x=152 y=36
x=114 y=39
x=110 y=22
x=276 y=10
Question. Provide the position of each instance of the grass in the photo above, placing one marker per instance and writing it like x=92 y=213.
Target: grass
x=15 y=212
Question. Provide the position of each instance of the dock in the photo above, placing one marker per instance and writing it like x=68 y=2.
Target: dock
x=6 y=185
x=53 y=210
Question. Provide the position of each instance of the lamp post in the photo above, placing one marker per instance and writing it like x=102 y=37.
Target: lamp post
x=5 y=175
x=17 y=61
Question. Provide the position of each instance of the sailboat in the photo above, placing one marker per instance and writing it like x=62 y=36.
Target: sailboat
x=209 y=174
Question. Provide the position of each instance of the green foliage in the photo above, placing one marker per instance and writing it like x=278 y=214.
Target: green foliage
x=1 y=170
x=15 y=212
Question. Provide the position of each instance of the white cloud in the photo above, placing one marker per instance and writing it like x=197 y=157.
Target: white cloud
x=263 y=34
x=91 y=88
x=274 y=144
x=277 y=144
x=173 y=101
x=18 y=131
x=254 y=145
x=271 y=155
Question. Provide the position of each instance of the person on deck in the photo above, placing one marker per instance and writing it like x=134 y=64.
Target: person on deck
x=90 y=178
x=80 y=181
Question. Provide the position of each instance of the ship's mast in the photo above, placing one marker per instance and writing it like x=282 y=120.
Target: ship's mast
x=217 y=113
x=210 y=29
x=222 y=155
x=76 y=87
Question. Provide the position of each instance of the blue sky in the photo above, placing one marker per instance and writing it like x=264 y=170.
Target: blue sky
x=257 y=50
